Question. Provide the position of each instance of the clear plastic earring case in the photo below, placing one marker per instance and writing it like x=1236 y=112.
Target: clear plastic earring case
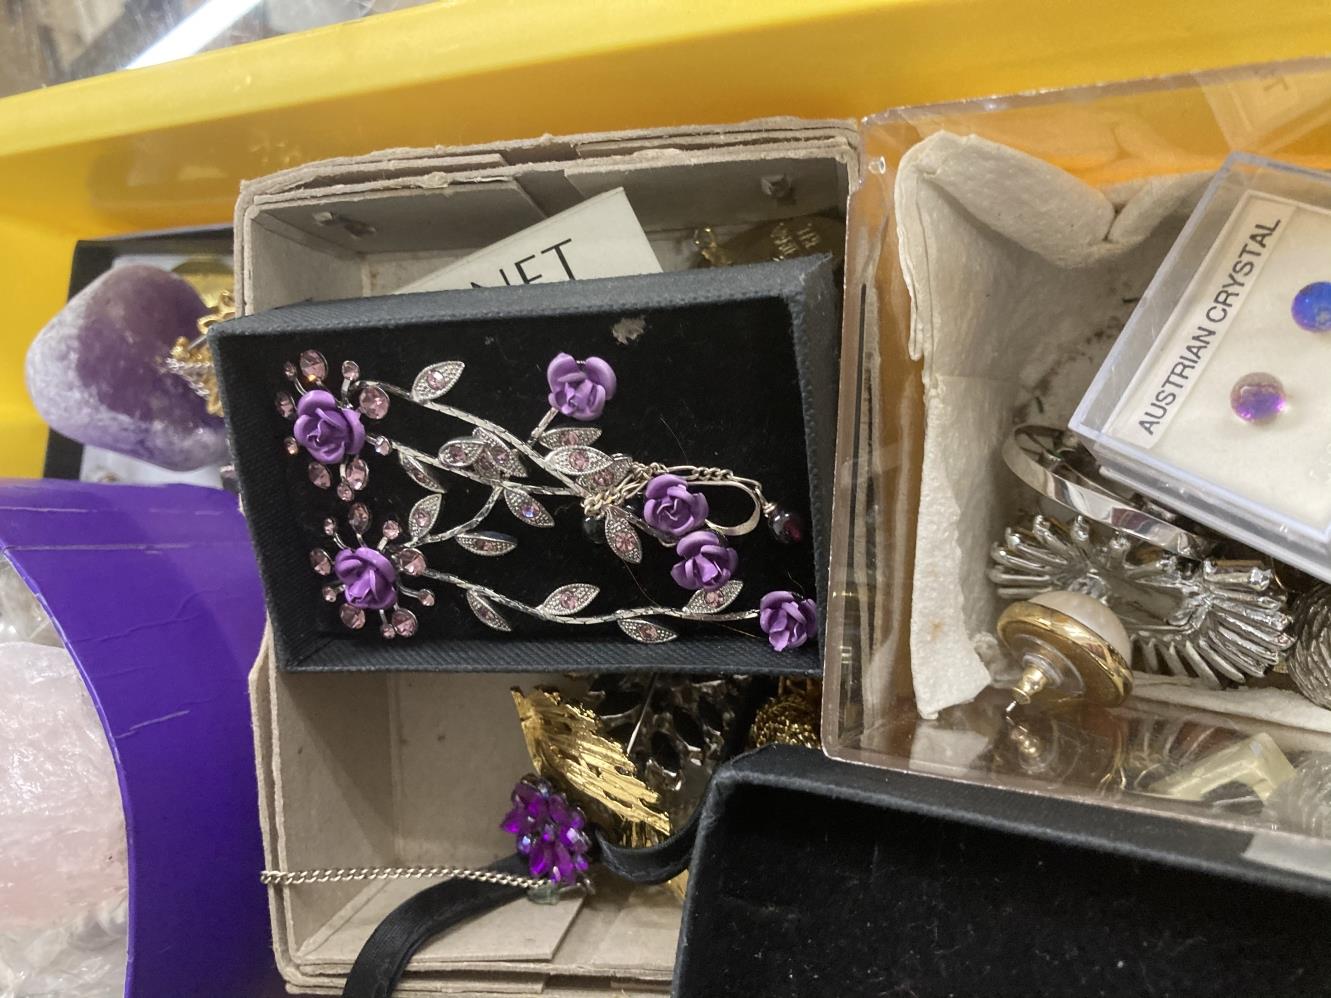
x=1214 y=400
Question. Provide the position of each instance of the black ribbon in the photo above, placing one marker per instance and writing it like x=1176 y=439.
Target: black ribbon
x=420 y=918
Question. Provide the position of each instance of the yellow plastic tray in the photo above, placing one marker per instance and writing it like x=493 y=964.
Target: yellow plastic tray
x=167 y=146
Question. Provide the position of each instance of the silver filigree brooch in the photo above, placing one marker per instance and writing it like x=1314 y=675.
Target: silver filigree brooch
x=372 y=564
x=1220 y=620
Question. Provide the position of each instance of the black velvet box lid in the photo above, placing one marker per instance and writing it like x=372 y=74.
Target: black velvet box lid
x=732 y=368
x=816 y=878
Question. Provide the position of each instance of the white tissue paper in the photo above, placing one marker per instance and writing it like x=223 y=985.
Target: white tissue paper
x=1020 y=277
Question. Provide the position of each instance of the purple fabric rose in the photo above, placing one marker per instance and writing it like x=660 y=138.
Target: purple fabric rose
x=671 y=507
x=787 y=620
x=327 y=430
x=368 y=576
x=580 y=388
x=549 y=831
x=706 y=562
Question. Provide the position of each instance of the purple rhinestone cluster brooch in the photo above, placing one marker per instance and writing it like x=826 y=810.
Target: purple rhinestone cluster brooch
x=624 y=502
x=550 y=832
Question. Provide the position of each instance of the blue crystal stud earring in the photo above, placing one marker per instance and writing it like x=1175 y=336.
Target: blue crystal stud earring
x=1258 y=397
x=1312 y=307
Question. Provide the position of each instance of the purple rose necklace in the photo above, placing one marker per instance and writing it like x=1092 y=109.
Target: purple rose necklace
x=623 y=500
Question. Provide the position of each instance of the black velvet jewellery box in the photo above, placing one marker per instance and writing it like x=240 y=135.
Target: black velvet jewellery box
x=729 y=368
x=903 y=884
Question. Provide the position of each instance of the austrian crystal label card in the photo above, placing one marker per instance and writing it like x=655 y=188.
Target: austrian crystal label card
x=1236 y=390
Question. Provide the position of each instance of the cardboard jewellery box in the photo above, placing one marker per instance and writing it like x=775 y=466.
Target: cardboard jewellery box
x=412 y=763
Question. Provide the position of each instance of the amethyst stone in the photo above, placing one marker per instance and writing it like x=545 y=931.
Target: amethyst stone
x=1258 y=398
x=95 y=372
x=549 y=830
x=1312 y=307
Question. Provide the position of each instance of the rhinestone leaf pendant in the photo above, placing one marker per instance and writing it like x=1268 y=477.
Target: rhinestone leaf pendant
x=578 y=460
x=527 y=509
x=485 y=611
x=570 y=436
x=646 y=632
x=622 y=539
x=423 y=515
x=497 y=460
x=486 y=543
x=570 y=599
x=609 y=476
x=461 y=452
x=715 y=600
x=436 y=380
x=418 y=473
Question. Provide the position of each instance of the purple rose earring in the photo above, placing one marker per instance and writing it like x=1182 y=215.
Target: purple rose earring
x=369 y=576
x=671 y=507
x=623 y=501
x=329 y=430
x=787 y=620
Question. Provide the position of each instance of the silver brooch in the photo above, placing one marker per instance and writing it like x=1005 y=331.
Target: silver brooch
x=373 y=563
x=1219 y=620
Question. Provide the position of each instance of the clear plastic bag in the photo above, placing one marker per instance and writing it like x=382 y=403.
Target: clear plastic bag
x=63 y=874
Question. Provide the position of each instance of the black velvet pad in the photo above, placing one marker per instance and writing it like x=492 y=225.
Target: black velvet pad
x=813 y=878
x=732 y=368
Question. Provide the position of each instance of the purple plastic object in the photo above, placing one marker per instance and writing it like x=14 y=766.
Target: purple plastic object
x=156 y=594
